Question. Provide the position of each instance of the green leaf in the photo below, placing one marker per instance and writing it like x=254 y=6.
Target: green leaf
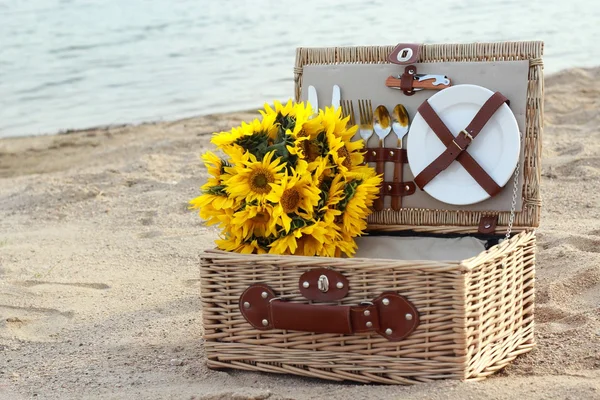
x=256 y=144
x=218 y=190
x=349 y=192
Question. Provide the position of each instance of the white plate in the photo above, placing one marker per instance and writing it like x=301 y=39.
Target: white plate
x=496 y=148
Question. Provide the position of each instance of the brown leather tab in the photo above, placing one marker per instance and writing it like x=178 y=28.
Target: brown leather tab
x=487 y=224
x=405 y=53
x=397 y=188
x=390 y=315
x=254 y=305
x=311 y=318
x=407 y=79
x=456 y=146
x=322 y=284
x=386 y=154
x=398 y=317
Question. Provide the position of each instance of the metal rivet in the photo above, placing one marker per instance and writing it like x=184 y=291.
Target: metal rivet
x=374 y=153
x=487 y=226
x=391 y=153
x=305 y=285
x=408 y=317
x=407 y=188
x=339 y=285
x=265 y=322
x=367 y=313
x=369 y=324
x=388 y=331
x=385 y=302
x=246 y=304
x=389 y=187
x=264 y=295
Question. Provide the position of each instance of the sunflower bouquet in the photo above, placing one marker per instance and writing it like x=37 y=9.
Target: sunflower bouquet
x=289 y=183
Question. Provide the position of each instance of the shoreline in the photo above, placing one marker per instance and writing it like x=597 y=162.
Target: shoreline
x=99 y=281
x=69 y=131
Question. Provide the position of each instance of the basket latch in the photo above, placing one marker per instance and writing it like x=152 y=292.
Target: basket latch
x=487 y=224
x=405 y=53
x=323 y=284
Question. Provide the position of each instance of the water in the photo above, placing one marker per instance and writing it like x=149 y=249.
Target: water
x=67 y=64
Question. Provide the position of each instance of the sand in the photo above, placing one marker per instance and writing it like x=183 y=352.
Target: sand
x=99 y=284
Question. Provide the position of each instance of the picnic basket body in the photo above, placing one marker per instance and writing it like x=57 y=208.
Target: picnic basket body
x=464 y=319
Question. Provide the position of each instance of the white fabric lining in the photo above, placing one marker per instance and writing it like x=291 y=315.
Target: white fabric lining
x=419 y=248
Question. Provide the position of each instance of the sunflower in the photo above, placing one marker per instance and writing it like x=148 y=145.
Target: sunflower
x=254 y=220
x=288 y=244
x=316 y=240
x=214 y=208
x=254 y=180
x=355 y=207
x=299 y=195
x=234 y=243
x=214 y=165
x=257 y=127
x=290 y=117
x=346 y=245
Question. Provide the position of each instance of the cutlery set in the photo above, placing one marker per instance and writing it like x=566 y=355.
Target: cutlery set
x=381 y=123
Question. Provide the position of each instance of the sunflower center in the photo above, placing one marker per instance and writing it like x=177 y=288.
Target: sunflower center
x=311 y=150
x=302 y=133
x=290 y=200
x=260 y=179
x=261 y=218
x=343 y=152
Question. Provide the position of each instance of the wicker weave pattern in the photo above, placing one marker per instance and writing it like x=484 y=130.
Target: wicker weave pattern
x=476 y=316
x=441 y=221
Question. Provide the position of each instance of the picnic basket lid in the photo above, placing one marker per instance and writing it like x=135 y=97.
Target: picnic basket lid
x=484 y=62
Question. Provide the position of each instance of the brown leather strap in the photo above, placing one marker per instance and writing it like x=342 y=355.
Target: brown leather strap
x=397 y=189
x=390 y=315
x=456 y=146
x=407 y=79
x=386 y=154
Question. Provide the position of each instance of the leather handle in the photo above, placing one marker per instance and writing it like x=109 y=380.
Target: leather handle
x=390 y=315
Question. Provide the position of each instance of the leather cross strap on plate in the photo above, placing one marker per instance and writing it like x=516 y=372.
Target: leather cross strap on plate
x=456 y=146
x=390 y=315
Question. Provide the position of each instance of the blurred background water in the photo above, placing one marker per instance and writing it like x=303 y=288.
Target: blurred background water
x=70 y=64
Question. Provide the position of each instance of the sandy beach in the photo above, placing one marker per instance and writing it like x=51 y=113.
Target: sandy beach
x=99 y=282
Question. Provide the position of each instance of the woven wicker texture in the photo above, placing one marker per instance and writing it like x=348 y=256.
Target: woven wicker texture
x=443 y=221
x=476 y=316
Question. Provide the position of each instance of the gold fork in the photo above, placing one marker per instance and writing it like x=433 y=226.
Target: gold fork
x=348 y=111
x=365 y=111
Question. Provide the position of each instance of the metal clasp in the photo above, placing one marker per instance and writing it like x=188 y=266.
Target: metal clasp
x=405 y=54
x=323 y=283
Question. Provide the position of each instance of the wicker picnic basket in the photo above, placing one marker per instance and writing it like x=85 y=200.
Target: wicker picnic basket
x=462 y=319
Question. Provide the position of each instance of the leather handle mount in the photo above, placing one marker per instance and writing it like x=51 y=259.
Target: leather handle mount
x=390 y=315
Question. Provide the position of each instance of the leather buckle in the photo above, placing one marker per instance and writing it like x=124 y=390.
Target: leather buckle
x=467 y=134
x=464 y=138
x=457 y=145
